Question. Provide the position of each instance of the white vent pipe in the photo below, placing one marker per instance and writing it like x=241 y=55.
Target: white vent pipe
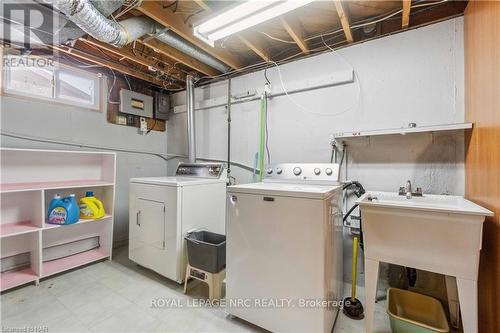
x=190 y=118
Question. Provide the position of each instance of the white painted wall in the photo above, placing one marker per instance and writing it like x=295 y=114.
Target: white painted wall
x=70 y=124
x=414 y=76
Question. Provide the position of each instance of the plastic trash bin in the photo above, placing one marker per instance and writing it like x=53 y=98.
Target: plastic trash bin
x=206 y=250
x=410 y=312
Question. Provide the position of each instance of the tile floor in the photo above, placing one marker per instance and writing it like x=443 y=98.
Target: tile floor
x=115 y=296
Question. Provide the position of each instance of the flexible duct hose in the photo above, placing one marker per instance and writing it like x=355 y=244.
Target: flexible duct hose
x=89 y=19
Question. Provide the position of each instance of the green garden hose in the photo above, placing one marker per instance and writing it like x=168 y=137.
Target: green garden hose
x=262 y=136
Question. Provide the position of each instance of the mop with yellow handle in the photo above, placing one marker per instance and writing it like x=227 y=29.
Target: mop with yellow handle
x=352 y=306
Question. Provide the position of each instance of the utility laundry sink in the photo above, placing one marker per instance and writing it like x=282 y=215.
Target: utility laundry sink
x=428 y=202
x=437 y=233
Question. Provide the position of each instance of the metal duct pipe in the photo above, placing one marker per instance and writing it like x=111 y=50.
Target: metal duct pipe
x=190 y=118
x=182 y=45
x=90 y=20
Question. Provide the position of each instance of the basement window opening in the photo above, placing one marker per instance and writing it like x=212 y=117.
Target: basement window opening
x=58 y=83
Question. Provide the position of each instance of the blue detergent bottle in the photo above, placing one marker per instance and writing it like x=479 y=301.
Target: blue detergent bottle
x=56 y=215
x=73 y=209
x=63 y=210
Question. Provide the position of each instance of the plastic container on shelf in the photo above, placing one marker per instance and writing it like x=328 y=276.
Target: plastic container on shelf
x=91 y=207
x=55 y=202
x=410 y=312
x=63 y=210
x=206 y=250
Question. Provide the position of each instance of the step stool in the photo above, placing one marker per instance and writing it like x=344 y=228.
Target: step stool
x=213 y=280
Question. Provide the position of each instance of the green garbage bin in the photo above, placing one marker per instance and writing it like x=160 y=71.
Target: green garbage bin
x=410 y=312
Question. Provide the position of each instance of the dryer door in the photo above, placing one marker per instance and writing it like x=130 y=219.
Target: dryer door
x=154 y=233
x=150 y=218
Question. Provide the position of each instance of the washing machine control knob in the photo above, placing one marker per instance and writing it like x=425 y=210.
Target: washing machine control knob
x=269 y=171
x=329 y=171
x=297 y=171
x=279 y=171
x=317 y=171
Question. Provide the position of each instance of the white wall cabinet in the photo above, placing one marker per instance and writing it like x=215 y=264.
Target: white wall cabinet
x=29 y=180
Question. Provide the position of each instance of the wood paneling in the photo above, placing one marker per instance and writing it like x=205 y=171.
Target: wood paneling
x=482 y=102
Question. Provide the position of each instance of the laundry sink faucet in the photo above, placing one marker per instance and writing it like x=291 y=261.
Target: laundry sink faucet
x=407 y=190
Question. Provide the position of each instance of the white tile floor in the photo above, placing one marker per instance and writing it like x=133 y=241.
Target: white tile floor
x=115 y=296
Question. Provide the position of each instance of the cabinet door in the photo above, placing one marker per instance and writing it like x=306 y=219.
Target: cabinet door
x=151 y=222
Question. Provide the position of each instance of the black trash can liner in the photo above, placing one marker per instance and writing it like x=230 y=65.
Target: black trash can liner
x=206 y=250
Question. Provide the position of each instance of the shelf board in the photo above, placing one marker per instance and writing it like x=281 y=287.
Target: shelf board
x=36 y=186
x=62 y=152
x=17 y=228
x=48 y=226
x=60 y=265
x=403 y=130
x=16 y=278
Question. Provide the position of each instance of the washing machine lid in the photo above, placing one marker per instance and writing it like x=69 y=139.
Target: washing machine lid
x=176 y=181
x=296 y=190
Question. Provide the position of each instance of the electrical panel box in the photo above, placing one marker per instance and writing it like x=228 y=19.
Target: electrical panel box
x=161 y=105
x=135 y=103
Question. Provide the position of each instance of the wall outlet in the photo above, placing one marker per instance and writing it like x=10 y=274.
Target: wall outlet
x=143 y=126
x=353 y=222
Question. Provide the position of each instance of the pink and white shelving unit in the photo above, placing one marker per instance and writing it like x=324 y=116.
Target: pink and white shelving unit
x=29 y=180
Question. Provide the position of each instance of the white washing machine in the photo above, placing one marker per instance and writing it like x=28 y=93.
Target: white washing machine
x=284 y=245
x=163 y=209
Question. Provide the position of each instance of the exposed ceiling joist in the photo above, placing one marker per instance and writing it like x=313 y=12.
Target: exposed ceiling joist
x=344 y=20
x=406 y=13
x=244 y=44
x=255 y=46
x=137 y=57
x=115 y=66
x=175 y=22
x=292 y=26
x=251 y=43
x=178 y=56
x=203 y=5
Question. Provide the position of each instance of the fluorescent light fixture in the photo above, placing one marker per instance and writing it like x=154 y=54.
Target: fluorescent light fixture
x=244 y=16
